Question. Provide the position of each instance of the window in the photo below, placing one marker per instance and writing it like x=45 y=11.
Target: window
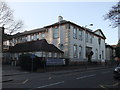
x=23 y=39
x=75 y=33
x=28 y=38
x=80 y=34
x=40 y=35
x=80 y=51
x=75 y=50
x=43 y=35
x=90 y=38
x=102 y=54
x=96 y=53
x=43 y=54
x=86 y=37
x=32 y=37
x=55 y=54
x=50 y=54
x=99 y=41
x=35 y=37
x=55 y=33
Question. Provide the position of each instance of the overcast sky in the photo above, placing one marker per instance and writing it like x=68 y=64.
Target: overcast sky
x=40 y=14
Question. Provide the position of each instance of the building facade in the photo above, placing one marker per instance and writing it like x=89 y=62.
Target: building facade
x=75 y=41
x=110 y=52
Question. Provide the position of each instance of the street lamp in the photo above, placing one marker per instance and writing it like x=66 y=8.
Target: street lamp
x=85 y=39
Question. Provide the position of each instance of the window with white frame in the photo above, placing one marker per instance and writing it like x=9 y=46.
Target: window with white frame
x=28 y=38
x=75 y=50
x=55 y=33
x=75 y=33
x=23 y=39
x=55 y=54
x=40 y=35
x=80 y=51
x=50 y=54
x=37 y=36
x=43 y=35
x=80 y=35
x=32 y=38
x=43 y=54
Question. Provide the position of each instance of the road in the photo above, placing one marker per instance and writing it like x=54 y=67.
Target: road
x=101 y=78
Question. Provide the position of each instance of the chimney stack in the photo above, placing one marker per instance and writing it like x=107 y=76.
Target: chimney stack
x=60 y=18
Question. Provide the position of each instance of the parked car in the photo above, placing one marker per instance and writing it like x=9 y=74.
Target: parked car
x=116 y=72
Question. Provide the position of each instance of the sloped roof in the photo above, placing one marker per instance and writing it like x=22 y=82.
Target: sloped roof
x=27 y=33
x=84 y=28
x=6 y=36
x=61 y=23
x=109 y=46
x=99 y=30
x=39 y=45
x=56 y=24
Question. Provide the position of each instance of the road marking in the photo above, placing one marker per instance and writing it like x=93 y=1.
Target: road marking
x=103 y=87
x=51 y=84
x=115 y=84
x=86 y=76
x=105 y=72
x=24 y=81
x=18 y=82
x=107 y=86
x=50 y=78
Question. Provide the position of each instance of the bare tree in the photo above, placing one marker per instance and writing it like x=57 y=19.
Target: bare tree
x=114 y=15
x=7 y=19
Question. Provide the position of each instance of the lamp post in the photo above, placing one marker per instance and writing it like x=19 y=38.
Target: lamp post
x=85 y=41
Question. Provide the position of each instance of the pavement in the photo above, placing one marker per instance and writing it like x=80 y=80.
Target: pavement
x=8 y=70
